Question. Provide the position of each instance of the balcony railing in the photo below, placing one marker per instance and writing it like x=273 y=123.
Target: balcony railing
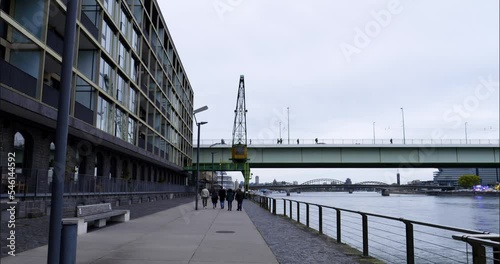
x=34 y=183
x=17 y=78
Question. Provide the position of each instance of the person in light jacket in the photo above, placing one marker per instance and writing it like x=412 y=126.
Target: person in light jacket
x=230 y=198
x=204 y=197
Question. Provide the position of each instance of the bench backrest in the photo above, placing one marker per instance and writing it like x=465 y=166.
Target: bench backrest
x=85 y=210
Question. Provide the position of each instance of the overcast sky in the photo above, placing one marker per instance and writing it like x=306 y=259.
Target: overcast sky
x=340 y=66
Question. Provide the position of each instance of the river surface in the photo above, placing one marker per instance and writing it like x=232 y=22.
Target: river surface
x=387 y=237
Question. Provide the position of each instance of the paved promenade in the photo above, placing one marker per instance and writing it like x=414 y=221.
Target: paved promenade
x=177 y=235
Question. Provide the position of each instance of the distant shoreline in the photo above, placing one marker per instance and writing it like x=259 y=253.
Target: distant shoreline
x=490 y=194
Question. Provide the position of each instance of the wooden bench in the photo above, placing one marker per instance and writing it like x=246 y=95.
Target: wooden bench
x=98 y=214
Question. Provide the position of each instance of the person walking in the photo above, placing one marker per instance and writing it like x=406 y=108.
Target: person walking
x=222 y=197
x=230 y=198
x=204 y=197
x=215 y=197
x=239 y=198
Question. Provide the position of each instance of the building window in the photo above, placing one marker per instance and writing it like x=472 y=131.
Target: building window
x=131 y=131
x=120 y=125
x=106 y=77
x=121 y=55
x=124 y=24
x=30 y=13
x=84 y=101
x=135 y=41
x=132 y=100
x=121 y=88
x=104 y=115
x=109 y=5
x=107 y=38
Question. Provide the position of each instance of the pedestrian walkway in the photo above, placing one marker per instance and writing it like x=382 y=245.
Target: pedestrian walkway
x=177 y=235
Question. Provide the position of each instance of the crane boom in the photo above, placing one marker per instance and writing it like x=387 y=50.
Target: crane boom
x=239 y=146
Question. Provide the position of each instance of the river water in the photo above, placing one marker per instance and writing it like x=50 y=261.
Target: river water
x=387 y=237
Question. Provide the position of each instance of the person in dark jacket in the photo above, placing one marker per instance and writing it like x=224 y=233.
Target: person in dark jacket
x=222 y=197
x=215 y=197
x=239 y=198
x=230 y=198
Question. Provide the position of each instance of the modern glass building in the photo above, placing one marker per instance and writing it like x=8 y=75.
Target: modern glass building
x=449 y=176
x=131 y=101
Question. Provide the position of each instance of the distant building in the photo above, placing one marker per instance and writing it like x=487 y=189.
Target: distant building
x=295 y=183
x=226 y=180
x=256 y=179
x=449 y=176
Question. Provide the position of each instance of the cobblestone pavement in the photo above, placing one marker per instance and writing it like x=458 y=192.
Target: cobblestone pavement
x=294 y=243
x=34 y=232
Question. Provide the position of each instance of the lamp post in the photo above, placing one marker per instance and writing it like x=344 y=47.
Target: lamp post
x=279 y=132
x=212 y=181
x=288 y=121
x=403 y=116
x=201 y=109
x=373 y=132
x=465 y=132
x=198 y=163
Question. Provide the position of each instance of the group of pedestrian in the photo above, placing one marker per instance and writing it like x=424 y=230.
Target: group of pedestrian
x=223 y=196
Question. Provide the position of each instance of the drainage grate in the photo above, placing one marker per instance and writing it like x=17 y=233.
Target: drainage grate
x=224 y=232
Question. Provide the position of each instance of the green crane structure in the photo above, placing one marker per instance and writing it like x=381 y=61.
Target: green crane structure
x=239 y=144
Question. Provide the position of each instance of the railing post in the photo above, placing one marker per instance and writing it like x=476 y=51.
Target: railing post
x=410 y=248
x=284 y=207
x=364 y=218
x=274 y=206
x=478 y=253
x=320 y=216
x=307 y=214
x=339 y=227
x=291 y=211
x=298 y=211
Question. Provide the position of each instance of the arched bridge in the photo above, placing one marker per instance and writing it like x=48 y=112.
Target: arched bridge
x=322 y=181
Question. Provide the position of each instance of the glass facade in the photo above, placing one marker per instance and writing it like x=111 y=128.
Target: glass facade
x=128 y=79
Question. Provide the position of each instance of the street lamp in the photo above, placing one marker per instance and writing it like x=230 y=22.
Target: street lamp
x=212 y=181
x=465 y=132
x=201 y=109
x=288 y=121
x=373 y=132
x=198 y=163
x=403 y=115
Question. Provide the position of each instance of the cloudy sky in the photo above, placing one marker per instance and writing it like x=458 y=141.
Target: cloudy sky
x=339 y=66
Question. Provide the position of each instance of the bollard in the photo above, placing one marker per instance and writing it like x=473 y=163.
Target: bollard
x=68 y=241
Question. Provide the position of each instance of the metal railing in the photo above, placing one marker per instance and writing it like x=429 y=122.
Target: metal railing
x=337 y=141
x=37 y=183
x=383 y=236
